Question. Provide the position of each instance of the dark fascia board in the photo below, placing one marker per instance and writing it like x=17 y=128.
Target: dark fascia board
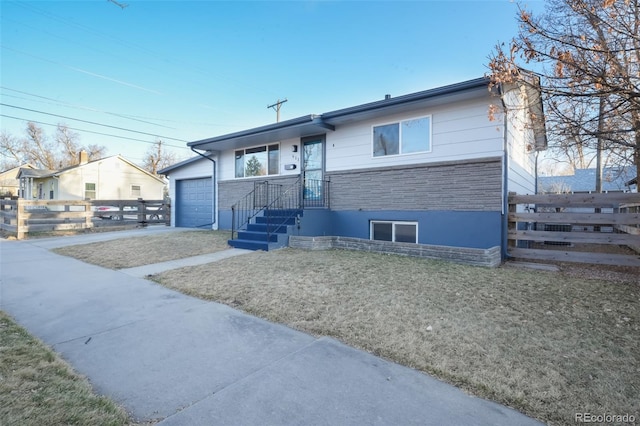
x=297 y=127
x=310 y=125
x=399 y=102
x=167 y=170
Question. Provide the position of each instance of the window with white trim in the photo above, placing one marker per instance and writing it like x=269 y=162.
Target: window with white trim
x=136 y=191
x=403 y=137
x=396 y=231
x=90 y=191
x=257 y=161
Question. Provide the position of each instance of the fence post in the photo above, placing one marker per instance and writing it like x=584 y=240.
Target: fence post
x=20 y=219
x=511 y=225
x=88 y=218
x=142 y=216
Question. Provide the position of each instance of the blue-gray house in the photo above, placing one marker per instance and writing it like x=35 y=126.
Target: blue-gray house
x=432 y=167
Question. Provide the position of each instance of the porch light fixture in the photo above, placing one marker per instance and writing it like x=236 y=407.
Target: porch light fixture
x=294 y=148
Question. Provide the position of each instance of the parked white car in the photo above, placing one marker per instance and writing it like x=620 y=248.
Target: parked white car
x=130 y=212
x=114 y=213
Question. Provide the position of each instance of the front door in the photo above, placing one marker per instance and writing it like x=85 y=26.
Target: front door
x=313 y=171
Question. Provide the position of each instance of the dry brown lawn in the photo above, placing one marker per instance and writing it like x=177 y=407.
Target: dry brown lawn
x=546 y=343
x=550 y=344
x=38 y=388
x=145 y=250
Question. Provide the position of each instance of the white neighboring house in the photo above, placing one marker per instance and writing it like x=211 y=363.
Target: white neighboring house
x=110 y=178
x=9 y=182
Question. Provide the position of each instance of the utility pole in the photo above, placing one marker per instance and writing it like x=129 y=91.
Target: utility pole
x=276 y=107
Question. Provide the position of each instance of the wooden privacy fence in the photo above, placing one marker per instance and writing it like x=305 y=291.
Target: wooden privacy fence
x=21 y=216
x=587 y=228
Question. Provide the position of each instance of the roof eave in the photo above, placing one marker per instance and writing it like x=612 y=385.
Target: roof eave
x=307 y=125
x=405 y=101
x=310 y=125
x=167 y=170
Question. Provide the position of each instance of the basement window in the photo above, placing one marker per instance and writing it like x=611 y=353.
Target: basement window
x=396 y=231
x=257 y=161
x=403 y=137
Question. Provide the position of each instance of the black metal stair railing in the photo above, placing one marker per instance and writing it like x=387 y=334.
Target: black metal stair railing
x=316 y=193
x=281 y=210
x=278 y=204
x=252 y=204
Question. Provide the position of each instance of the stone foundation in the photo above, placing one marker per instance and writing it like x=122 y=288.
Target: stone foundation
x=490 y=257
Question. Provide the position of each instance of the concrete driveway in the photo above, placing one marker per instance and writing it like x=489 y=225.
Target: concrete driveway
x=185 y=361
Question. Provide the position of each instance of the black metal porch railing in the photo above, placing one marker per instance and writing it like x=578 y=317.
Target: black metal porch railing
x=278 y=204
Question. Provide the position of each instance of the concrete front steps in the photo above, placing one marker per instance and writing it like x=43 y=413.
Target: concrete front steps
x=280 y=223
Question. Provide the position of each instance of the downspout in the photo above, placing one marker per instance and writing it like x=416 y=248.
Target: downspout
x=535 y=191
x=505 y=178
x=213 y=184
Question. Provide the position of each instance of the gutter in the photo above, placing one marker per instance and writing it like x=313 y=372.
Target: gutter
x=307 y=119
x=215 y=201
x=413 y=97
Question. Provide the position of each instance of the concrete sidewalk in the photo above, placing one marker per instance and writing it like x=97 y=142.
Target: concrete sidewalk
x=184 y=361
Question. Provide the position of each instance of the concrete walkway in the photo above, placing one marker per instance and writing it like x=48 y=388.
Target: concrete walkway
x=185 y=361
x=156 y=268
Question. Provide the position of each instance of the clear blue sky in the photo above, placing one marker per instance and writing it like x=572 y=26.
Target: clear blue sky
x=188 y=70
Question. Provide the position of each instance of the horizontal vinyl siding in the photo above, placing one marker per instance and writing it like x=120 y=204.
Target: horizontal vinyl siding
x=520 y=145
x=460 y=131
x=520 y=180
x=196 y=169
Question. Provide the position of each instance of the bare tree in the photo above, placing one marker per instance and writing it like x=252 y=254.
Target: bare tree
x=69 y=145
x=38 y=148
x=11 y=154
x=589 y=55
x=95 y=152
x=157 y=158
x=68 y=142
x=43 y=152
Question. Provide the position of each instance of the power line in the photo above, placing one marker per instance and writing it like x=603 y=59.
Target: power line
x=83 y=71
x=86 y=108
x=94 y=123
x=89 y=131
x=138 y=118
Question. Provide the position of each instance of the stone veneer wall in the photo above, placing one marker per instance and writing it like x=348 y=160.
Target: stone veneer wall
x=469 y=185
x=490 y=257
